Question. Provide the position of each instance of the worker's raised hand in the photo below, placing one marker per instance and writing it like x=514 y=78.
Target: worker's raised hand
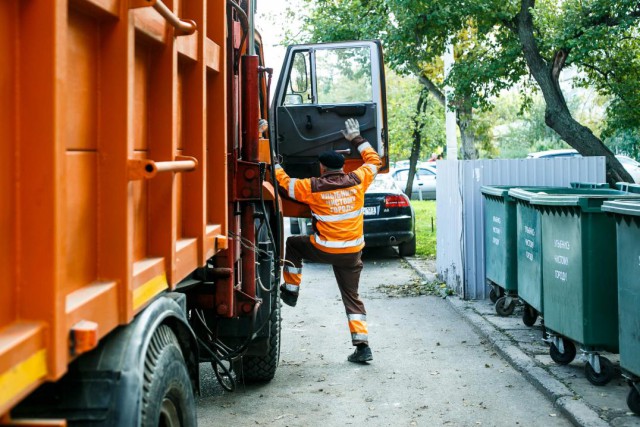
x=353 y=129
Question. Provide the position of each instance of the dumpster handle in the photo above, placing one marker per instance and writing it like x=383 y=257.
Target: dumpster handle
x=147 y=169
x=184 y=27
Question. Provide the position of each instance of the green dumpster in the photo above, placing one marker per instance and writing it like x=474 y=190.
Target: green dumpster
x=627 y=215
x=499 y=245
x=579 y=276
x=529 y=244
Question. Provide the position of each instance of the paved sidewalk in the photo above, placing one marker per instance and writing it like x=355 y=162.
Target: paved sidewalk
x=522 y=346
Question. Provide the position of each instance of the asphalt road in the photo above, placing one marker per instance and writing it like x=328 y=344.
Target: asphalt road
x=430 y=368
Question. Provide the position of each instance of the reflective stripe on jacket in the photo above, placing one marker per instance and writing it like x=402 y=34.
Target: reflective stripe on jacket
x=336 y=200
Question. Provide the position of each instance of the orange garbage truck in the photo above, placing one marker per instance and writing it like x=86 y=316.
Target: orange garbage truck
x=141 y=230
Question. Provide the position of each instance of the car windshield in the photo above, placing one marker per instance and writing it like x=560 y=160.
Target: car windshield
x=627 y=161
x=403 y=175
x=382 y=183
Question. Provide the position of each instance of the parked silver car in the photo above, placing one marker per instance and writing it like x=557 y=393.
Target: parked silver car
x=424 y=182
x=632 y=166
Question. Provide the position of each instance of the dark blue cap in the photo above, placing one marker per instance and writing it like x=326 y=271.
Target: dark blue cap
x=331 y=159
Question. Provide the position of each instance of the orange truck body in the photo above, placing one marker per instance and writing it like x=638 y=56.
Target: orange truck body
x=119 y=140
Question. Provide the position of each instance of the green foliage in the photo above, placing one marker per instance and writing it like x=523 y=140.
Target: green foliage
x=426 y=236
x=519 y=127
x=625 y=142
x=402 y=96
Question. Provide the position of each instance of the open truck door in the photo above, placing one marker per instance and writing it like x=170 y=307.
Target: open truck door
x=320 y=87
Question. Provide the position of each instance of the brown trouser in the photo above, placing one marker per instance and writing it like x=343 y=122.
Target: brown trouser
x=346 y=267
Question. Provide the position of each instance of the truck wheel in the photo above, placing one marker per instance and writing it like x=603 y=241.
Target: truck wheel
x=263 y=368
x=167 y=394
x=408 y=248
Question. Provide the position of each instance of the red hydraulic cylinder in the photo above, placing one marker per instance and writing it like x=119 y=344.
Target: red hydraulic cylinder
x=249 y=151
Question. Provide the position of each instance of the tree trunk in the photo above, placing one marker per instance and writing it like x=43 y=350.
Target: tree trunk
x=417 y=141
x=557 y=114
x=464 y=118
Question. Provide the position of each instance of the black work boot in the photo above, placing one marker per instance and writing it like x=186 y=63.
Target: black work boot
x=361 y=355
x=288 y=297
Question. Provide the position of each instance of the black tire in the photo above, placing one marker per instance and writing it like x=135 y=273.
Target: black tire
x=566 y=357
x=167 y=393
x=529 y=315
x=633 y=400
x=408 y=248
x=263 y=368
x=294 y=226
x=503 y=308
x=607 y=372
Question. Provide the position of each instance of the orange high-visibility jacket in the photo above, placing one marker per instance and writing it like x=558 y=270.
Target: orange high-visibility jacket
x=336 y=200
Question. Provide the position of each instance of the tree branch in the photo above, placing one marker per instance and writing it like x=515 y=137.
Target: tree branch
x=434 y=90
x=559 y=59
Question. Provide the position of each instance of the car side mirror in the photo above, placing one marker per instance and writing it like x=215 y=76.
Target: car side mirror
x=293 y=99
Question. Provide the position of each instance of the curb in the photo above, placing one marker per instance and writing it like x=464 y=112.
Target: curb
x=571 y=405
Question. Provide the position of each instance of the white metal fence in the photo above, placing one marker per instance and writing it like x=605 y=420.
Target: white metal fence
x=460 y=208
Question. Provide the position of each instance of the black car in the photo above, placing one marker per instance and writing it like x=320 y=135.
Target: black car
x=389 y=219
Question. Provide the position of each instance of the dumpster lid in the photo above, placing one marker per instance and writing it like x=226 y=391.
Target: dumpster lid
x=496 y=190
x=623 y=207
x=504 y=190
x=527 y=194
x=587 y=199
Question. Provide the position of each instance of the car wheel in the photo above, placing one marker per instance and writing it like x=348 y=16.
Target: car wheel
x=408 y=248
x=304 y=227
x=294 y=226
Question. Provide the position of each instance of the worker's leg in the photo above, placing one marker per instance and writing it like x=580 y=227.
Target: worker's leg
x=347 y=274
x=298 y=248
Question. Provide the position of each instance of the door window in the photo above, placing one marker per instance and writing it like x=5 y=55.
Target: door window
x=343 y=75
x=425 y=173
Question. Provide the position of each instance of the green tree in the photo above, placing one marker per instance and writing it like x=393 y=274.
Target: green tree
x=403 y=97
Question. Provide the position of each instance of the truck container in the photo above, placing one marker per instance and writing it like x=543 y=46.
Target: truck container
x=141 y=229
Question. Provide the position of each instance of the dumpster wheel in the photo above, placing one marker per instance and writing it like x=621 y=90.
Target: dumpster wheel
x=606 y=372
x=633 y=400
x=505 y=306
x=529 y=315
x=495 y=293
x=566 y=357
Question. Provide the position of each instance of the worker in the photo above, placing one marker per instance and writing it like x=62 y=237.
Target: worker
x=336 y=200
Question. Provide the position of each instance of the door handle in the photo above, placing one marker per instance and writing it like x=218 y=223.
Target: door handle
x=309 y=125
